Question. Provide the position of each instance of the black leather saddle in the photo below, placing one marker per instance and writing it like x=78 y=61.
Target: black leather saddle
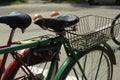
x=57 y=23
x=16 y=20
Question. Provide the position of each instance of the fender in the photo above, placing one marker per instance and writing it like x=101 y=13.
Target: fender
x=111 y=53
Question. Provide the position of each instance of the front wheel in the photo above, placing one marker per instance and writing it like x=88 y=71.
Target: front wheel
x=94 y=64
x=115 y=30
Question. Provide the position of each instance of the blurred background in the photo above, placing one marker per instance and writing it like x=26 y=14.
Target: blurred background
x=91 y=2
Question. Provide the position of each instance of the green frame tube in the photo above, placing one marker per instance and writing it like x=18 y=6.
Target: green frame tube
x=62 y=68
x=30 y=44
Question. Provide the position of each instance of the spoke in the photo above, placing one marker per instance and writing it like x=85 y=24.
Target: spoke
x=79 y=65
x=84 y=65
x=99 y=66
x=76 y=73
x=44 y=67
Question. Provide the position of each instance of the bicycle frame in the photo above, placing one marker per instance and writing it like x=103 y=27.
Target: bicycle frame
x=9 y=48
x=14 y=55
x=6 y=55
x=71 y=54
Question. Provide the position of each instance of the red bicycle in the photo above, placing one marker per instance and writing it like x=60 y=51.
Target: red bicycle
x=14 y=20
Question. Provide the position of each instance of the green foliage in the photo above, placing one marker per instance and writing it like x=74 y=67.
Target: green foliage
x=9 y=2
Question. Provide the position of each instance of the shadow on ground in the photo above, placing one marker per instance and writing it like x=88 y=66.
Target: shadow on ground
x=108 y=6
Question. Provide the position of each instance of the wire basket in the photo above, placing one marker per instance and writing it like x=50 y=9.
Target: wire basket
x=90 y=31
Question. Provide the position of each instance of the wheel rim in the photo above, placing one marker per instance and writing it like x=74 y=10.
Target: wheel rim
x=115 y=29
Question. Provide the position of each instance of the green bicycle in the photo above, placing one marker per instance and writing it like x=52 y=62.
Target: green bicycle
x=88 y=56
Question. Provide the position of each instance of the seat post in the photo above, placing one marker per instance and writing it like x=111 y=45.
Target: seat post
x=11 y=36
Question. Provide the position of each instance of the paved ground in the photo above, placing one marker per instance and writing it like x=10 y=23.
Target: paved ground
x=45 y=9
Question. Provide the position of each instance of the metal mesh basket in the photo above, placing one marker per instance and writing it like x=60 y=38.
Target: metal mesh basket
x=90 y=31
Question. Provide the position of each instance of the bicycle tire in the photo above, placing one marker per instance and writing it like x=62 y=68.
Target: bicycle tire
x=66 y=75
x=15 y=66
x=113 y=31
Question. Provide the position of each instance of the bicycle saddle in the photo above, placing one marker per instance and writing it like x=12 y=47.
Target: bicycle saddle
x=57 y=23
x=16 y=20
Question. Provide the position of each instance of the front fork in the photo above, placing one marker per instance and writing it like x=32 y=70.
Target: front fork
x=71 y=55
x=74 y=55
